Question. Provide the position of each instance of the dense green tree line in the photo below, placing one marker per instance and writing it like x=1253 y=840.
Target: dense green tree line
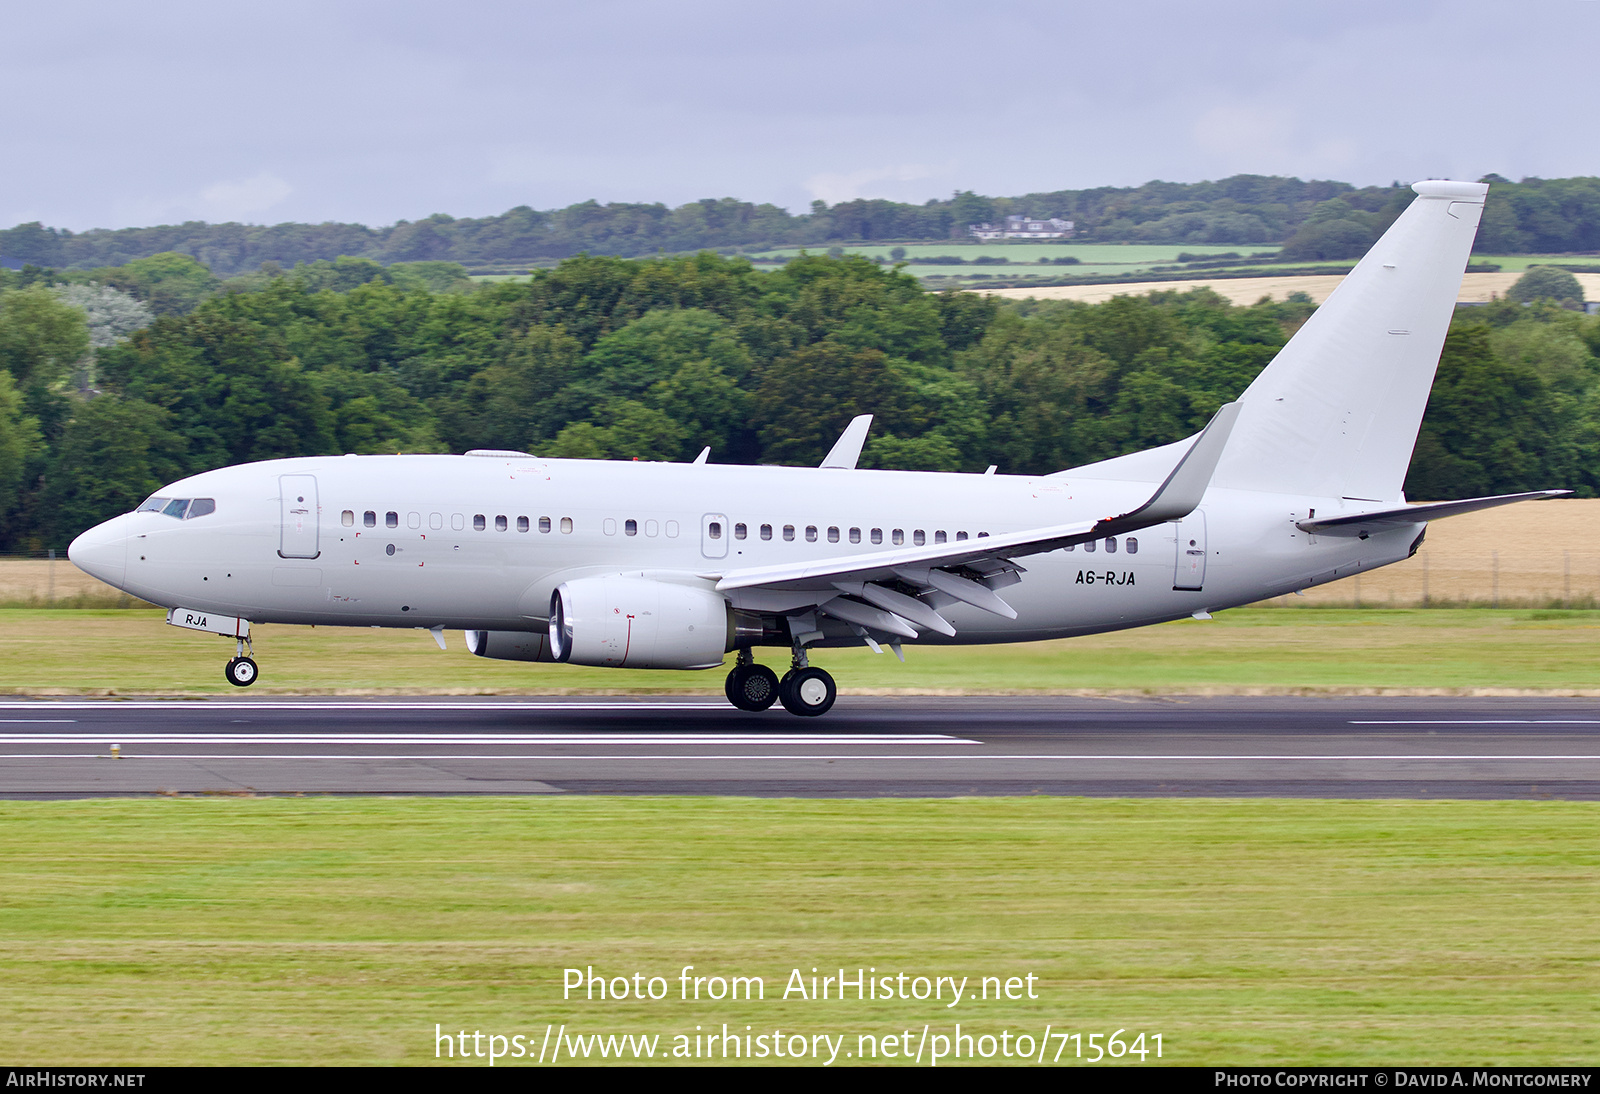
x=1319 y=219
x=610 y=357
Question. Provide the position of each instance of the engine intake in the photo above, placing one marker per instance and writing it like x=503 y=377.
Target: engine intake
x=639 y=623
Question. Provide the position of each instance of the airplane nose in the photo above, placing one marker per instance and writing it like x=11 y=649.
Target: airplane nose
x=102 y=552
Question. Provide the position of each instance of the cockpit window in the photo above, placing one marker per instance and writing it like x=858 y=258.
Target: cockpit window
x=179 y=508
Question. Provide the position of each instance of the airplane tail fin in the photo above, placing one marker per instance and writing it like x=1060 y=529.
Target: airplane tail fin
x=1336 y=413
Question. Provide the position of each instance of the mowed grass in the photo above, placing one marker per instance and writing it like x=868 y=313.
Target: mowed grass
x=1266 y=649
x=229 y=931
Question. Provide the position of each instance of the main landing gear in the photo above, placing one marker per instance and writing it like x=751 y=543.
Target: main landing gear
x=241 y=672
x=804 y=689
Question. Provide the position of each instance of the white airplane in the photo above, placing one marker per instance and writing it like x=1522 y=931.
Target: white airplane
x=674 y=566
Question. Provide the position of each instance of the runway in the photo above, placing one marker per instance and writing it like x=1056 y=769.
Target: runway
x=910 y=746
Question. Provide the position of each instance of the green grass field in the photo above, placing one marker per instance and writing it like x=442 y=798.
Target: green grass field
x=1267 y=649
x=227 y=931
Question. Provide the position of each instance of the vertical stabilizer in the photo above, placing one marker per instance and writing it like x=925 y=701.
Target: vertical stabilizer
x=1336 y=412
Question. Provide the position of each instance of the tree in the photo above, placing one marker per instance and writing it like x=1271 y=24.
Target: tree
x=1546 y=283
x=20 y=443
x=1328 y=239
x=171 y=283
x=112 y=455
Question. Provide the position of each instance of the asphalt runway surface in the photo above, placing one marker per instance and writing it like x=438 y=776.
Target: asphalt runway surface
x=877 y=747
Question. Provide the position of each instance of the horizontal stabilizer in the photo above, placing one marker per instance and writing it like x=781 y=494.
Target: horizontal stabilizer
x=1381 y=520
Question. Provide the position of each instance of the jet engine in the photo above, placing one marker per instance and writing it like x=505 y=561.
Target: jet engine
x=639 y=623
x=510 y=645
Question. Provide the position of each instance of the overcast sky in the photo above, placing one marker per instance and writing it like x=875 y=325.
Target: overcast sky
x=115 y=114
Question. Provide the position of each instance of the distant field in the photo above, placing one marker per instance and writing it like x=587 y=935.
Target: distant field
x=329 y=931
x=1475 y=288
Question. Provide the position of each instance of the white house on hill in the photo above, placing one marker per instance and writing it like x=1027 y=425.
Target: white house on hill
x=1021 y=227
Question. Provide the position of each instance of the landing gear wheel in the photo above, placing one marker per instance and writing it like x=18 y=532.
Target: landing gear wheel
x=241 y=672
x=807 y=692
x=752 y=687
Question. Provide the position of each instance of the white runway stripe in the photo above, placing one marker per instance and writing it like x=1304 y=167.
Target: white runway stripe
x=1483 y=722
x=894 y=757
x=451 y=739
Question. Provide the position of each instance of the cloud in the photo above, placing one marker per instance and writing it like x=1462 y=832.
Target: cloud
x=834 y=188
x=238 y=199
x=1244 y=132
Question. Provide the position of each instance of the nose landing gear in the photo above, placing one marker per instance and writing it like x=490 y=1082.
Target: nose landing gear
x=241 y=672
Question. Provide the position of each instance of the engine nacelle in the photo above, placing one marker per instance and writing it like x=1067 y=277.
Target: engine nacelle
x=639 y=623
x=510 y=645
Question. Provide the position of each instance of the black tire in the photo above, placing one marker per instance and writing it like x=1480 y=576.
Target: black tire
x=807 y=692
x=241 y=672
x=752 y=687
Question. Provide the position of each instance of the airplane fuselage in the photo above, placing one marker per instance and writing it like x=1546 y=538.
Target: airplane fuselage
x=480 y=542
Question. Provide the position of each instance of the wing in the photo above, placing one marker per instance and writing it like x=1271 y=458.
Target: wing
x=897 y=591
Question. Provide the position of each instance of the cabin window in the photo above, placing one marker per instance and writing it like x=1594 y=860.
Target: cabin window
x=348 y=518
x=1070 y=547
x=961 y=537
x=833 y=535
x=500 y=523
x=391 y=519
x=566 y=525
x=1131 y=545
x=983 y=535
x=479 y=524
x=855 y=535
x=811 y=533
x=898 y=536
x=650 y=527
x=369 y=519
x=544 y=524
x=919 y=537
x=201 y=507
x=877 y=535
x=788 y=533
x=740 y=531
x=1089 y=546
x=457 y=522
x=522 y=524
x=766 y=531
x=939 y=536
x=714 y=529
x=413 y=520
x=435 y=520
x=609 y=526
x=1111 y=545
x=672 y=529
x=631 y=528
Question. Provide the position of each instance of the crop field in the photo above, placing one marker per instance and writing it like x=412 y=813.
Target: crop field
x=329 y=931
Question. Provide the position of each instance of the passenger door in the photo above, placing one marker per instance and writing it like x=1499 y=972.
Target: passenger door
x=1190 y=571
x=297 y=500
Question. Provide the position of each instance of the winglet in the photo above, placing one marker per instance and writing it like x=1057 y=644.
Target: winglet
x=704 y=453
x=1186 y=486
x=847 y=449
